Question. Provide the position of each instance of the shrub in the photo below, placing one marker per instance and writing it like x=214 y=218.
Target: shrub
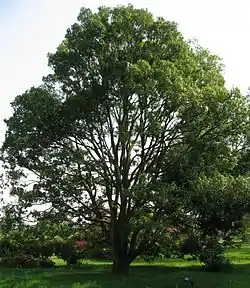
x=69 y=252
x=25 y=261
x=47 y=249
x=34 y=247
x=214 y=259
x=46 y=263
x=208 y=250
x=8 y=247
x=25 y=253
x=99 y=253
x=190 y=246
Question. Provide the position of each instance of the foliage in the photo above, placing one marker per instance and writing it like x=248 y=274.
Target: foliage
x=25 y=261
x=20 y=248
x=214 y=258
x=39 y=242
x=129 y=104
x=220 y=204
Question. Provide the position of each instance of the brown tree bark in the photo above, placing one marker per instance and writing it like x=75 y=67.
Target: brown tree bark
x=121 y=265
x=121 y=259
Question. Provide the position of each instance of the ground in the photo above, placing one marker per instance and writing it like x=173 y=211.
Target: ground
x=97 y=275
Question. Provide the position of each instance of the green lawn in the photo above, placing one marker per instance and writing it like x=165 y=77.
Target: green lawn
x=97 y=274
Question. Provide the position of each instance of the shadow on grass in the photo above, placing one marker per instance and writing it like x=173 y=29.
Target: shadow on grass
x=141 y=276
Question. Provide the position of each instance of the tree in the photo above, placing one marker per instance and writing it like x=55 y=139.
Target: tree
x=216 y=219
x=128 y=99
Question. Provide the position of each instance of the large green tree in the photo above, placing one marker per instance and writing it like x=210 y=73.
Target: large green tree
x=129 y=104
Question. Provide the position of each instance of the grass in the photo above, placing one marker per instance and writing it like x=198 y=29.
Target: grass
x=97 y=275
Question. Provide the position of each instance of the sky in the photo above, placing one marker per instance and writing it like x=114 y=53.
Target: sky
x=29 y=29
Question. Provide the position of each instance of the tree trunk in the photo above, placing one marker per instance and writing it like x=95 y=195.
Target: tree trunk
x=119 y=250
x=121 y=265
x=119 y=238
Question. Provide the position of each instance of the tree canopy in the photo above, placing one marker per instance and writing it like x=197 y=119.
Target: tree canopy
x=123 y=130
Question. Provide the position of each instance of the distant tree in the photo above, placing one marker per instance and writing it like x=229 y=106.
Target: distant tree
x=129 y=104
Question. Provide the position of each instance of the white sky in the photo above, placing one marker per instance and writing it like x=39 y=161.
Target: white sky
x=29 y=29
